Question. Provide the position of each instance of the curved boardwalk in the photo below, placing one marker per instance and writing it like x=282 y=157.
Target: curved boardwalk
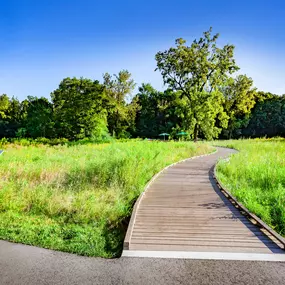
x=183 y=210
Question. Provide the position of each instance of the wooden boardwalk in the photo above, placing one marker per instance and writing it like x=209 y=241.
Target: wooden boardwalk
x=183 y=210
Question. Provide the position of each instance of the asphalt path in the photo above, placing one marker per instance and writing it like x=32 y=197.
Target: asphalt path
x=22 y=264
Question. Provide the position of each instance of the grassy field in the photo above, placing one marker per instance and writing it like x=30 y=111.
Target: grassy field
x=78 y=198
x=256 y=177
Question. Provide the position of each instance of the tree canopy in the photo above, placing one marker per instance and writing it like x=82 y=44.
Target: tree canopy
x=118 y=87
x=197 y=72
x=79 y=108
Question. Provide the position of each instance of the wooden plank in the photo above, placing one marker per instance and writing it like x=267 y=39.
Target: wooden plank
x=162 y=247
x=210 y=243
x=159 y=219
x=187 y=210
x=196 y=226
x=200 y=216
x=201 y=221
x=213 y=217
x=200 y=236
x=189 y=231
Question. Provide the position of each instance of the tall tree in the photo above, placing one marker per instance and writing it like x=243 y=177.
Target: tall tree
x=39 y=121
x=197 y=72
x=240 y=98
x=118 y=87
x=80 y=108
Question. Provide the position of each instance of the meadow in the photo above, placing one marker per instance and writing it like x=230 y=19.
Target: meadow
x=78 y=198
x=256 y=177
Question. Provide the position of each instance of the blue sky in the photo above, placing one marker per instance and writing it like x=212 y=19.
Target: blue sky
x=41 y=42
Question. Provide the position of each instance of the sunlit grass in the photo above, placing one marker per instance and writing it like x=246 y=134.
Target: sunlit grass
x=78 y=198
x=256 y=176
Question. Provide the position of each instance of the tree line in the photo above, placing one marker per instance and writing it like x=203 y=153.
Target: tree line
x=205 y=97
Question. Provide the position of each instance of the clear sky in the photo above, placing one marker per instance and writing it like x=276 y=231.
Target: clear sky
x=41 y=42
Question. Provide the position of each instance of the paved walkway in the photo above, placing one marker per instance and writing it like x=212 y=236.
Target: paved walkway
x=184 y=211
x=29 y=265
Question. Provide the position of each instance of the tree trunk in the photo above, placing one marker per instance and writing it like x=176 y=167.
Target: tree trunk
x=196 y=133
x=230 y=128
x=230 y=134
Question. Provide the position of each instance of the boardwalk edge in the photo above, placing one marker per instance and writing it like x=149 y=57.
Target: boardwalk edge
x=205 y=255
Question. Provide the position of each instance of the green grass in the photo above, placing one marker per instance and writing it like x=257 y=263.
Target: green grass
x=256 y=177
x=79 y=198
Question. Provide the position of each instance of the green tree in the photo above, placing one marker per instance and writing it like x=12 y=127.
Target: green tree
x=240 y=98
x=158 y=112
x=120 y=113
x=4 y=106
x=149 y=120
x=10 y=119
x=4 y=117
x=80 y=108
x=38 y=120
x=197 y=72
x=261 y=96
x=267 y=118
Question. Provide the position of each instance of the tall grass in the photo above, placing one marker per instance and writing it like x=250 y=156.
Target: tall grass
x=256 y=176
x=78 y=198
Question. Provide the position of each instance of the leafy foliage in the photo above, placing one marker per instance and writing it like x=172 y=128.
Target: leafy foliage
x=197 y=71
x=10 y=116
x=121 y=114
x=39 y=119
x=158 y=112
x=79 y=108
x=267 y=119
x=240 y=98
